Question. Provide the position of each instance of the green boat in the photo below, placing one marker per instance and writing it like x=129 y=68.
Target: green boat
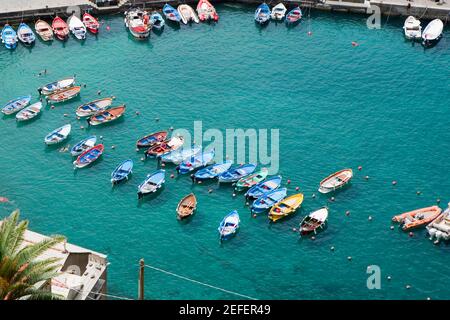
x=251 y=180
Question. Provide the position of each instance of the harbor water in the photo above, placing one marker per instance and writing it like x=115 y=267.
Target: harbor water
x=381 y=104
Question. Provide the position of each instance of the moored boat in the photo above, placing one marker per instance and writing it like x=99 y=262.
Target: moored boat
x=29 y=112
x=94 y=107
x=107 y=115
x=157 y=21
x=417 y=218
x=266 y=201
x=89 y=156
x=262 y=14
x=314 y=222
x=91 y=23
x=412 y=28
x=294 y=15
x=229 y=225
x=151 y=139
x=25 y=34
x=439 y=228
x=335 y=181
x=171 y=13
x=195 y=162
x=9 y=37
x=164 y=147
x=55 y=86
x=286 y=207
x=187 y=14
x=206 y=11
x=278 y=12
x=44 y=30
x=77 y=27
x=83 y=145
x=64 y=95
x=122 y=171
x=152 y=183
x=186 y=207
x=432 y=33
x=251 y=180
x=212 y=171
x=234 y=174
x=16 y=105
x=181 y=154
x=58 y=135
x=263 y=187
x=60 y=28
x=138 y=22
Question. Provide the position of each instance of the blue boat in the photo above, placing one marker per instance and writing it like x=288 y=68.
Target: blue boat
x=212 y=171
x=9 y=37
x=171 y=13
x=229 y=225
x=25 y=34
x=263 y=187
x=234 y=174
x=266 y=201
x=197 y=161
x=152 y=183
x=83 y=145
x=16 y=105
x=262 y=14
x=122 y=171
x=157 y=21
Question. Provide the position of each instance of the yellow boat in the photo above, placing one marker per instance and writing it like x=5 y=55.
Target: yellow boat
x=286 y=207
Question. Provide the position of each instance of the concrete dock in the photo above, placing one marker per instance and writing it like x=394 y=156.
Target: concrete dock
x=31 y=10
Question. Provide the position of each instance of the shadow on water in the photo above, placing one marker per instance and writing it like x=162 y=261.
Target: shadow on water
x=57 y=146
x=149 y=197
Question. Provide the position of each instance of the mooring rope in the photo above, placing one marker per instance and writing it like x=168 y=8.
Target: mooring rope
x=198 y=282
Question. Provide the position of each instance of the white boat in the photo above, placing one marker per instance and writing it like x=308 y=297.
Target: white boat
x=440 y=227
x=187 y=14
x=412 y=28
x=335 y=181
x=278 y=12
x=138 y=22
x=55 y=86
x=77 y=27
x=29 y=112
x=181 y=154
x=432 y=33
x=58 y=135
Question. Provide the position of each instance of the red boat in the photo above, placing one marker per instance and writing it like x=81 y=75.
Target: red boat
x=60 y=28
x=91 y=23
x=89 y=156
x=206 y=11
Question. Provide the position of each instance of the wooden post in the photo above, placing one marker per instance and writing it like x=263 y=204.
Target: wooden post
x=141 y=280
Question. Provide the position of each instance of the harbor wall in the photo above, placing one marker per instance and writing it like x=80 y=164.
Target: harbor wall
x=422 y=9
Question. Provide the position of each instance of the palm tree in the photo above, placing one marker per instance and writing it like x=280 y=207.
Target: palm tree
x=20 y=270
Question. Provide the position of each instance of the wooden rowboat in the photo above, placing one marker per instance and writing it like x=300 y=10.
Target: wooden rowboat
x=285 y=207
x=335 y=181
x=107 y=116
x=314 y=221
x=60 y=28
x=91 y=23
x=186 y=206
x=93 y=107
x=151 y=139
x=251 y=180
x=417 y=218
x=165 y=147
x=44 y=30
x=64 y=95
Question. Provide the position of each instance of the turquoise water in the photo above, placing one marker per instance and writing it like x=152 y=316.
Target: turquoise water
x=382 y=105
